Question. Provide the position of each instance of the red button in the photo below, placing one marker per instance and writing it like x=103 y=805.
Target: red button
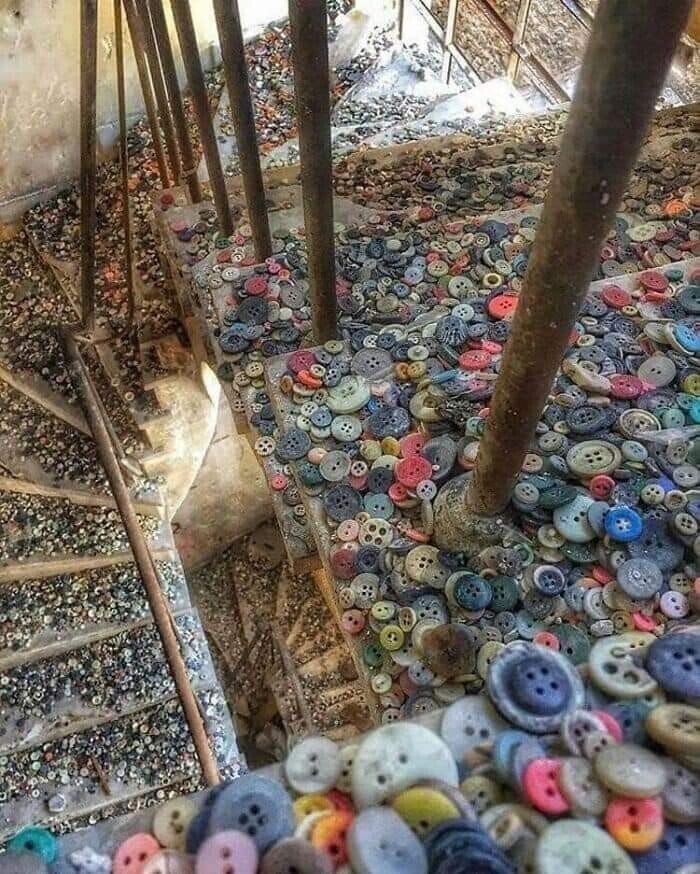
x=397 y=492
x=410 y=471
x=601 y=486
x=411 y=444
x=541 y=786
x=636 y=824
x=502 y=305
x=133 y=854
x=615 y=297
x=256 y=285
x=300 y=360
x=343 y=563
x=279 y=482
x=625 y=387
x=476 y=359
x=547 y=640
x=654 y=281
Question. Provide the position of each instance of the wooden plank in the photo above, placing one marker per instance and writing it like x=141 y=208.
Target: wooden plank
x=37 y=390
x=51 y=567
x=76 y=496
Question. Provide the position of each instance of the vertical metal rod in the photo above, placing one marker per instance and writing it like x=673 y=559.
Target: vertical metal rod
x=228 y=23
x=124 y=167
x=167 y=59
x=143 y=558
x=450 y=25
x=157 y=77
x=309 y=33
x=626 y=60
x=518 y=39
x=400 y=17
x=200 y=101
x=137 y=42
x=88 y=159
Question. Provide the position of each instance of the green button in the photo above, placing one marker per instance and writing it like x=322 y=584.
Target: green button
x=373 y=655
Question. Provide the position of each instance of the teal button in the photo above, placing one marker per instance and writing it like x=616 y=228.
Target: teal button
x=35 y=840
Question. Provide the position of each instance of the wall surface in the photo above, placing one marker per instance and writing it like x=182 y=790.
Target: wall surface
x=39 y=83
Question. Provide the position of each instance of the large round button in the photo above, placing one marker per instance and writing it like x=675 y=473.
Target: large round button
x=674 y=661
x=380 y=842
x=227 y=852
x=579 y=847
x=470 y=722
x=295 y=856
x=255 y=806
x=133 y=854
x=171 y=821
x=395 y=757
x=613 y=665
x=313 y=765
x=630 y=770
x=676 y=727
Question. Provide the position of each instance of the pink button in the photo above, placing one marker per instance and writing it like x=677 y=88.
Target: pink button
x=279 y=482
x=411 y=444
x=256 y=285
x=227 y=852
x=410 y=471
x=540 y=783
x=611 y=724
x=642 y=622
x=654 y=281
x=348 y=530
x=397 y=492
x=133 y=854
x=476 y=359
x=352 y=621
x=169 y=862
x=343 y=563
x=300 y=360
x=547 y=639
x=674 y=605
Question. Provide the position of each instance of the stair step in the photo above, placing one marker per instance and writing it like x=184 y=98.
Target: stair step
x=39 y=613
x=96 y=767
x=42 y=568
x=40 y=392
x=40 y=528
x=75 y=684
x=152 y=506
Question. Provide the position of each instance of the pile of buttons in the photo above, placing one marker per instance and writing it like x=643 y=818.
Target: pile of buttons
x=545 y=773
x=605 y=516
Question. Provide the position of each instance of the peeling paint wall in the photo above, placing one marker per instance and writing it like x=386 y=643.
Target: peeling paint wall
x=39 y=83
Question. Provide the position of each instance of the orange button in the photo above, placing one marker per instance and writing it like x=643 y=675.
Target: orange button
x=636 y=824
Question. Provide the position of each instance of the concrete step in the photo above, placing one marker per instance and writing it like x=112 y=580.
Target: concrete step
x=73 y=607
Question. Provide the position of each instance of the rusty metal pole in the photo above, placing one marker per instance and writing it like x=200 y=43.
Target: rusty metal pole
x=308 y=23
x=200 y=101
x=143 y=558
x=158 y=78
x=88 y=159
x=228 y=23
x=167 y=59
x=626 y=60
x=137 y=44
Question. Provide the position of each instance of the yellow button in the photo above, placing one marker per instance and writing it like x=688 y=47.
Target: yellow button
x=391 y=637
x=383 y=610
x=390 y=446
x=306 y=804
x=422 y=808
x=691 y=384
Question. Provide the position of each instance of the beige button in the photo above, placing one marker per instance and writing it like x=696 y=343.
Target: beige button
x=612 y=667
x=631 y=771
x=481 y=792
x=581 y=788
x=677 y=727
x=171 y=821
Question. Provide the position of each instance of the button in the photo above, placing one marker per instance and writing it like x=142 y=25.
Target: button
x=169 y=862
x=639 y=578
x=534 y=687
x=580 y=787
x=571 y=520
x=395 y=757
x=674 y=661
x=468 y=723
x=676 y=727
x=578 y=847
x=295 y=856
x=421 y=808
x=613 y=665
x=329 y=835
x=635 y=824
x=133 y=853
x=630 y=770
x=681 y=795
x=171 y=822
x=380 y=842
x=313 y=765
x=481 y=792
x=541 y=786
x=449 y=650
x=676 y=849
x=226 y=852
x=256 y=806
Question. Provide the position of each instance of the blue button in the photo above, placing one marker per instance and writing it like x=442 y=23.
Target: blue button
x=674 y=661
x=623 y=524
x=540 y=686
